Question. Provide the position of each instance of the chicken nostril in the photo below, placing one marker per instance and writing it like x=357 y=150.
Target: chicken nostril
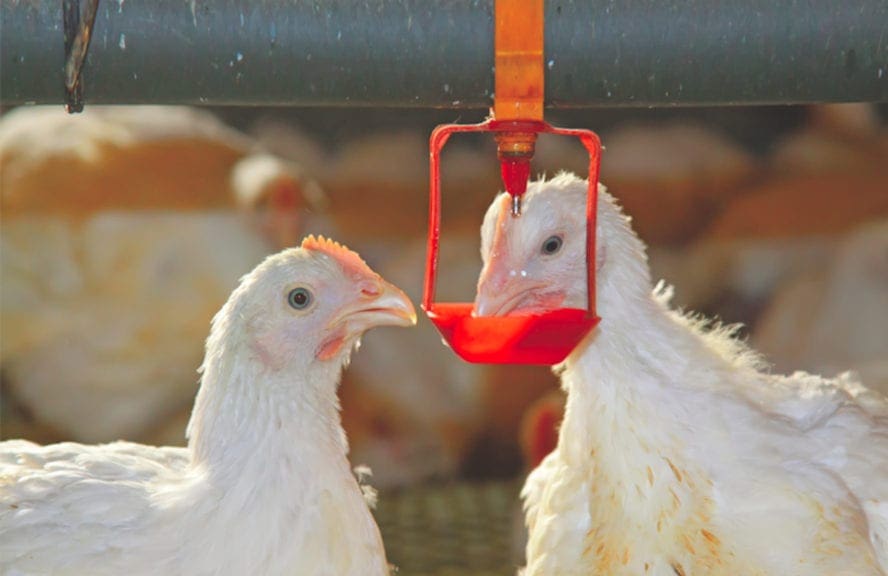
x=494 y=284
x=370 y=288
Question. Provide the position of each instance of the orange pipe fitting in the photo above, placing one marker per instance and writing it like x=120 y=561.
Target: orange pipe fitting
x=518 y=88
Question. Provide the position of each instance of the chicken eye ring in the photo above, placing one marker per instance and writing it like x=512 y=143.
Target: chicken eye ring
x=300 y=298
x=552 y=245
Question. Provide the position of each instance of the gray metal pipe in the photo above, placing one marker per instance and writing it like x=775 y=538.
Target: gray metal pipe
x=440 y=54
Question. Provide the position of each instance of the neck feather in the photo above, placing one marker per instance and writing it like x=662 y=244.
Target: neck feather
x=646 y=370
x=639 y=391
x=246 y=412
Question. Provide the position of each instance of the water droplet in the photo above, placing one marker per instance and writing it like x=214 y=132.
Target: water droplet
x=239 y=56
x=122 y=42
x=550 y=64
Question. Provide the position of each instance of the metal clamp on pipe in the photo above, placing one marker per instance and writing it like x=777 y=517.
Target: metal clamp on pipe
x=78 y=31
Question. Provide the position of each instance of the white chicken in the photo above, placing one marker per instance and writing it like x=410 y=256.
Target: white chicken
x=677 y=455
x=264 y=486
x=430 y=427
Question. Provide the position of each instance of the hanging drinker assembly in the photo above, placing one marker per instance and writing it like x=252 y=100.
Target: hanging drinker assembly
x=541 y=338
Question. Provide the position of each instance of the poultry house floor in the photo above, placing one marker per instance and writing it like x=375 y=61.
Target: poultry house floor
x=464 y=529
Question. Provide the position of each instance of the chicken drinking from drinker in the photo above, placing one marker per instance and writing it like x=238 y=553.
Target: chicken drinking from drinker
x=264 y=486
x=678 y=455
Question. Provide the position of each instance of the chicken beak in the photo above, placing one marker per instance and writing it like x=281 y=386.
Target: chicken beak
x=494 y=292
x=491 y=302
x=501 y=294
x=379 y=304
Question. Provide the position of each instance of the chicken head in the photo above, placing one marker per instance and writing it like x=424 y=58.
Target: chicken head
x=537 y=262
x=320 y=297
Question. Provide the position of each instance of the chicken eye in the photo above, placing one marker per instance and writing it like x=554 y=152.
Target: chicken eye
x=299 y=298
x=552 y=245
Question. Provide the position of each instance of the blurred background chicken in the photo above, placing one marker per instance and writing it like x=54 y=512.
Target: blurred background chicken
x=834 y=316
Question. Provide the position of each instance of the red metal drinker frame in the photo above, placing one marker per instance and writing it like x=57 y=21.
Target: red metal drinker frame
x=546 y=338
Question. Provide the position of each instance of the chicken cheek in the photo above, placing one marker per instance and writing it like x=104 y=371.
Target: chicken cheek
x=268 y=354
x=332 y=345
